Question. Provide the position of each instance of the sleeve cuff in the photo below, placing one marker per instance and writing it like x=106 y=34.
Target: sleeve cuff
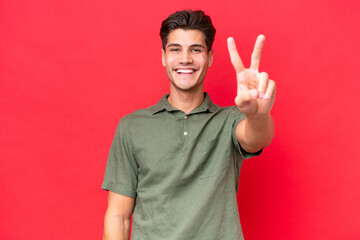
x=119 y=189
x=247 y=155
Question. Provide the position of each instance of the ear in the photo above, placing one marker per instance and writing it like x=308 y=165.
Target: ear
x=211 y=57
x=163 y=57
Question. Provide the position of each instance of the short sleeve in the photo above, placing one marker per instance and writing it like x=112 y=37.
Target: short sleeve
x=240 y=117
x=121 y=172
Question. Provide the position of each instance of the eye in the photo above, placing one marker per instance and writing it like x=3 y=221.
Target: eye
x=196 y=50
x=174 y=50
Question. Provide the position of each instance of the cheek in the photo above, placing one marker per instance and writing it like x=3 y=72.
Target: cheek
x=202 y=61
x=170 y=62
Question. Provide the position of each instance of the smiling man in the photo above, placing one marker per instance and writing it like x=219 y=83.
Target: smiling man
x=175 y=165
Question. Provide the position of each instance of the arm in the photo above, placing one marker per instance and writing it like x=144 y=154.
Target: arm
x=255 y=98
x=254 y=134
x=118 y=217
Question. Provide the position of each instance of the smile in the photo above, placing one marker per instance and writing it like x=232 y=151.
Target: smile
x=185 y=71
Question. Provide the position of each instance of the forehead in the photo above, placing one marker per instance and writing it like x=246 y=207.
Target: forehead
x=186 y=37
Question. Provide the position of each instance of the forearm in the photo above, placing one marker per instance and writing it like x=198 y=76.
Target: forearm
x=255 y=133
x=116 y=227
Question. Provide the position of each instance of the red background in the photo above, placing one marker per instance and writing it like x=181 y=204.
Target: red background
x=69 y=70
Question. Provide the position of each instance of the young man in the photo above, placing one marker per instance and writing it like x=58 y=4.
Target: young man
x=175 y=165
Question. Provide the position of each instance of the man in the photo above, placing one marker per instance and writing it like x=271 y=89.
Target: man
x=175 y=165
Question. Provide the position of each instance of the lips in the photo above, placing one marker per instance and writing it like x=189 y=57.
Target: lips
x=185 y=70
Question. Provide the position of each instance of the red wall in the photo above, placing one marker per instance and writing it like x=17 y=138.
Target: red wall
x=69 y=70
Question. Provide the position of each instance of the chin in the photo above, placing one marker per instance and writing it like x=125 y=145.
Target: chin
x=186 y=83
x=186 y=87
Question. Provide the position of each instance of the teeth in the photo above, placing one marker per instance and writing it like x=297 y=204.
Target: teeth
x=184 y=71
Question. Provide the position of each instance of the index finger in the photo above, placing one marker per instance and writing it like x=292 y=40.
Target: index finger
x=256 y=55
x=234 y=55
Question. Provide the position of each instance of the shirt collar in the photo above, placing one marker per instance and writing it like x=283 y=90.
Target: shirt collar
x=163 y=104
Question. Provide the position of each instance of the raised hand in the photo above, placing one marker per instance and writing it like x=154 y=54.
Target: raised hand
x=255 y=91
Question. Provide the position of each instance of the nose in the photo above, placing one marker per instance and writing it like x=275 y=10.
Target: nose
x=185 y=57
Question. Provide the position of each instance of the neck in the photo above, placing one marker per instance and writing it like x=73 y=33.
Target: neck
x=186 y=101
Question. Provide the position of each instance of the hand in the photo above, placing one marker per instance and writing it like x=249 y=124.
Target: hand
x=255 y=91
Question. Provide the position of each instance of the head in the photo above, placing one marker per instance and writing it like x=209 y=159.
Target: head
x=188 y=20
x=187 y=38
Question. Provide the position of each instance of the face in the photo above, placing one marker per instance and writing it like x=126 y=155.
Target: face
x=186 y=59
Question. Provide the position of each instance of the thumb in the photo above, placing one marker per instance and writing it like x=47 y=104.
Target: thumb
x=245 y=97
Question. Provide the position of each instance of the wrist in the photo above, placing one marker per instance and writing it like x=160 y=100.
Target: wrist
x=258 y=117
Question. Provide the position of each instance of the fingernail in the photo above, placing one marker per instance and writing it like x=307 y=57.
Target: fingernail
x=267 y=96
x=261 y=95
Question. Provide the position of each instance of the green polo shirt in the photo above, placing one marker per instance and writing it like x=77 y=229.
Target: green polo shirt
x=183 y=170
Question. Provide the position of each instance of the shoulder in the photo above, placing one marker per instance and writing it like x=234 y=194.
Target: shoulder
x=231 y=112
x=140 y=113
x=136 y=117
x=230 y=109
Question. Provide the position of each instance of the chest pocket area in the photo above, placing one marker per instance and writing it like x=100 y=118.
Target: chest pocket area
x=214 y=158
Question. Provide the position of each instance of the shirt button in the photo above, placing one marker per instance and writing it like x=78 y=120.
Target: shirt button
x=185 y=117
x=185 y=133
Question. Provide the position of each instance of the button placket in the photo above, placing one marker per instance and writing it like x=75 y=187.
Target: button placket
x=185 y=126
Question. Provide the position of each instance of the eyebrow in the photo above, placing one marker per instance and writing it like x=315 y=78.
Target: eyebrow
x=178 y=45
x=197 y=45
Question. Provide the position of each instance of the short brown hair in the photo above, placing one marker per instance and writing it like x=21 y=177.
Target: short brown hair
x=188 y=20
